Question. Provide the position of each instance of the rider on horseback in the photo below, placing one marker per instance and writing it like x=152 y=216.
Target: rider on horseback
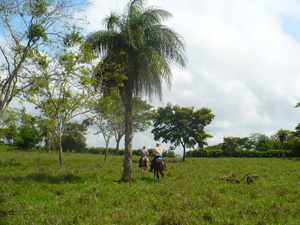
x=157 y=154
x=144 y=153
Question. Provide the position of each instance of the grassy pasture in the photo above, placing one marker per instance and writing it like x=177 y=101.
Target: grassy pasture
x=34 y=189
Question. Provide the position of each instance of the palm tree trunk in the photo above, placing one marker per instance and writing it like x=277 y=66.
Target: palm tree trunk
x=127 y=163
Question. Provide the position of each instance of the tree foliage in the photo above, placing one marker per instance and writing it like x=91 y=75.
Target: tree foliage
x=182 y=126
x=112 y=110
x=229 y=146
x=28 y=26
x=62 y=88
x=74 y=138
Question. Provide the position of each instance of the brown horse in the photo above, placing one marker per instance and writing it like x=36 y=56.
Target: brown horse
x=159 y=168
x=145 y=164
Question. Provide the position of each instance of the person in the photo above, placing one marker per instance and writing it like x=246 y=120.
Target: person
x=157 y=153
x=144 y=153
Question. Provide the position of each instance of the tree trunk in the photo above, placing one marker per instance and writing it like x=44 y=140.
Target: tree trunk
x=106 y=152
x=127 y=163
x=117 y=147
x=183 y=153
x=60 y=149
x=118 y=139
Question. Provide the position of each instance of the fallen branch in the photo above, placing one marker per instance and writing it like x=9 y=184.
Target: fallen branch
x=231 y=178
x=227 y=176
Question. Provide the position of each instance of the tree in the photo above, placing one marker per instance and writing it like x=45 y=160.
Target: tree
x=64 y=89
x=263 y=143
x=46 y=129
x=26 y=27
x=143 y=47
x=28 y=132
x=282 y=136
x=141 y=118
x=109 y=116
x=229 y=145
x=73 y=138
x=182 y=126
x=245 y=143
x=104 y=119
x=9 y=126
x=297 y=131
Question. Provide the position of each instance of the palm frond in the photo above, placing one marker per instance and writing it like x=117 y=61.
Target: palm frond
x=113 y=22
x=167 y=42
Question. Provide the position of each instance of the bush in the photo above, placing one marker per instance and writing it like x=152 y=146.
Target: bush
x=169 y=153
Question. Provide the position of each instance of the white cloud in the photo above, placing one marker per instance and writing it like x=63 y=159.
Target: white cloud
x=241 y=63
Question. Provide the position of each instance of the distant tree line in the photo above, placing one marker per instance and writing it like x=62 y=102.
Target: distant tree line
x=283 y=143
x=137 y=152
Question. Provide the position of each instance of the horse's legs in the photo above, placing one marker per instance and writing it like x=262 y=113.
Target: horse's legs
x=162 y=171
x=162 y=175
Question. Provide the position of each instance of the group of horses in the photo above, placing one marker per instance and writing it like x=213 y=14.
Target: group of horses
x=158 y=167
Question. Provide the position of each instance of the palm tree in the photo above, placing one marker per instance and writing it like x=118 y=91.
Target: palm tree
x=143 y=47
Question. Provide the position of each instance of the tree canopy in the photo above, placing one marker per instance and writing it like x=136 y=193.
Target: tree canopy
x=27 y=27
x=182 y=126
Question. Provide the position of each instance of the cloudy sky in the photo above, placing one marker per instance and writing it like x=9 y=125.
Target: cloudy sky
x=243 y=63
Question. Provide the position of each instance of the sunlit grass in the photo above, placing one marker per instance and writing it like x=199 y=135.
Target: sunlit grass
x=35 y=189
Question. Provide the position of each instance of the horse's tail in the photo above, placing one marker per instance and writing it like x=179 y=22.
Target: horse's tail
x=147 y=164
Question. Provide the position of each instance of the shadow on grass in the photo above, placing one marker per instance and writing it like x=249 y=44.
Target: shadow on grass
x=45 y=178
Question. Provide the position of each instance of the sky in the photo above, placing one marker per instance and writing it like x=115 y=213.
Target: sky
x=243 y=63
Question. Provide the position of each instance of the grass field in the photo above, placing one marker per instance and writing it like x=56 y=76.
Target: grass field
x=34 y=189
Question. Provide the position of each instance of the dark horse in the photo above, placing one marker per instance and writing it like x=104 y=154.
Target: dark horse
x=145 y=164
x=159 y=168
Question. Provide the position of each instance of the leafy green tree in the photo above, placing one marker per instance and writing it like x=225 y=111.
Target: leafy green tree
x=9 y=126
x=213 y=147
x=46 y=129
x=64 y=88
x=263 y=143
x=169 y=153
x=294 y=143
x=109 y=116
x=282 y=136
x=229 y=145
x=143 y=47
x=74 y=138
x=182 y=126
x=297 y=132
x=245 y=143
x=103 y=117
x=28 y=132
x=27 y=26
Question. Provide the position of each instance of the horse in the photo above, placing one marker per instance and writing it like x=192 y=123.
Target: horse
x=145 y=164
x=159 y=168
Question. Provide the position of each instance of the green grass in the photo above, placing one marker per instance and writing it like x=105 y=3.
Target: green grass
x=34 y=189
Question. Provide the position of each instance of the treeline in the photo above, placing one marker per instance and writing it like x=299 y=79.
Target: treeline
x=283 y=143
x=217 y=153
x=137 y=152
